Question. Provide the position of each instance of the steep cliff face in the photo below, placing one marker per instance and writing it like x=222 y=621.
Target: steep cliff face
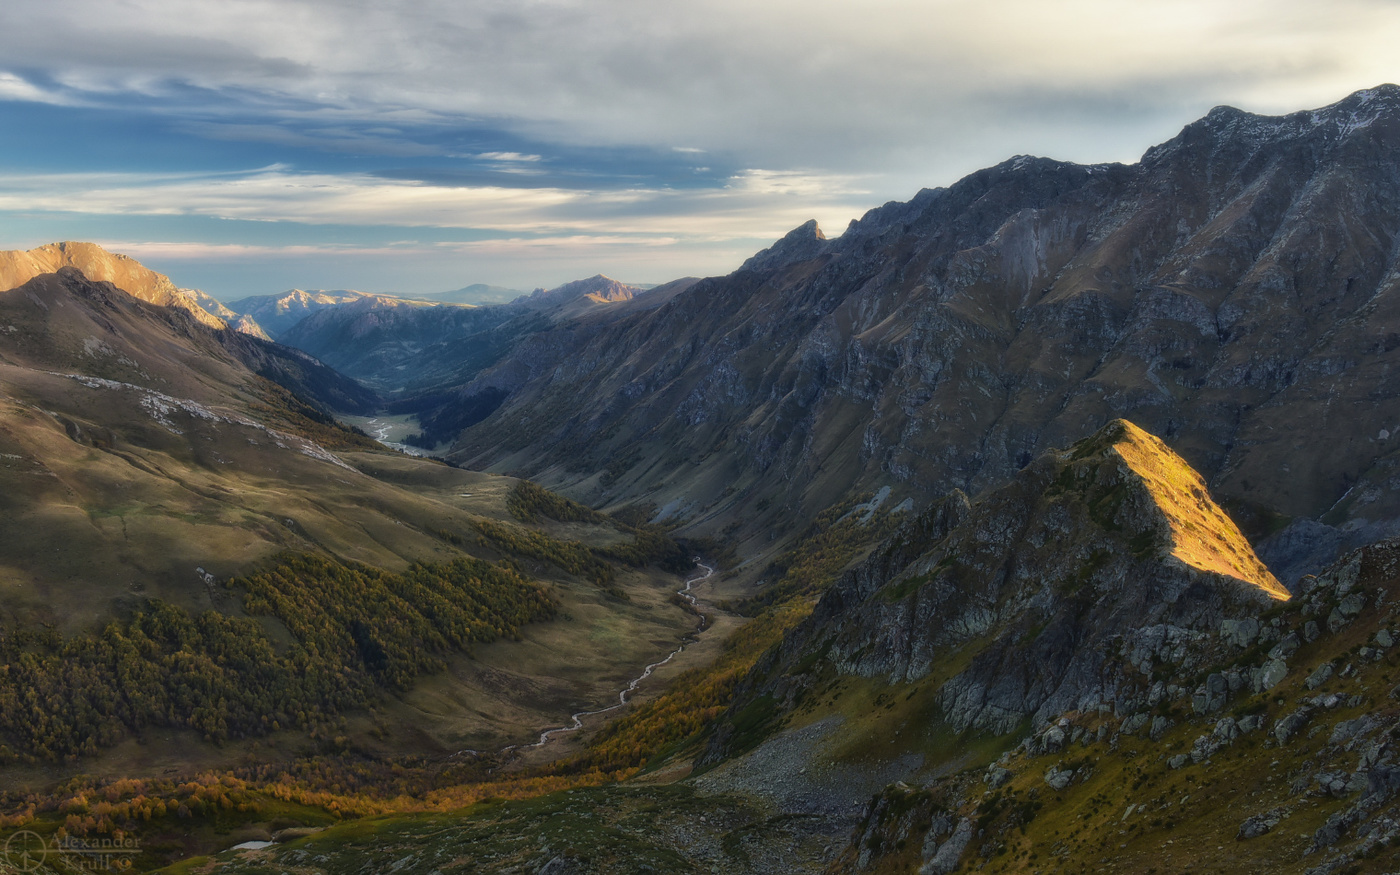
x=1236 y=292
x=1056 y=592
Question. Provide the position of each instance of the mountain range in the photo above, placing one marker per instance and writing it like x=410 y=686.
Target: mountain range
x=1232 y=292
x=1045 y=522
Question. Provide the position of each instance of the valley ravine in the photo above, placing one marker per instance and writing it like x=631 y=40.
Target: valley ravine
x=577 y=718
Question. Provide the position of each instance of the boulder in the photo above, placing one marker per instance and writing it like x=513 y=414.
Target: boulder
x=1288 y=726
x=1204 y=748
x=1250 y=722
x=1320 y=676
x=1240 y=633
x=1269 y=675
x=1286 y=647
x=1258 y=825
x=1058 y=778
x=1133 y=723
x=997 y=777
x=949 y=853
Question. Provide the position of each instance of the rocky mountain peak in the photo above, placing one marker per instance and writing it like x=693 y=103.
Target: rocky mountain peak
x=278 y=313
x=18 y=267
x=1202 y=535
x=215 y=307
x=598 y=288
x=801 y=243
x=306 y=299
x=1109 y=546
x=1237 y=128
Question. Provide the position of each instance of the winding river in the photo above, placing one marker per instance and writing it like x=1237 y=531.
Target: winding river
x=577 y=719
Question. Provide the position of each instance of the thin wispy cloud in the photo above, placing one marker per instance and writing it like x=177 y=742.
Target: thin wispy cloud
x=13 y=87
x=743 y=209
x=509 y=156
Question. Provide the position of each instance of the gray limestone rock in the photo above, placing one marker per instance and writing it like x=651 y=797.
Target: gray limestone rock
x=1287 y=727
x=1239 y=633
x=1212 y=695
x=1345 y=611
x=1268 y=676
x=1204 y=748
x=1259 y=824
x=1347 y=730
x=1226 y=730
x=945 y=859
x=1353 y=604
x=1133 y=723
x=1058 y=778
x=940 y=825
x=1320 y=676
x=997 y=777
x=1336 y=621
x=1286 y=647
x=1332 y=783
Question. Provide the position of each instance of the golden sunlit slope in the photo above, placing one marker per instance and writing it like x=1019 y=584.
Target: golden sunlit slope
x=18 y=267
x=1202 y=535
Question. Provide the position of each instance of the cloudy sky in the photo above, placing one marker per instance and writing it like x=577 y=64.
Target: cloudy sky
x=248 y=146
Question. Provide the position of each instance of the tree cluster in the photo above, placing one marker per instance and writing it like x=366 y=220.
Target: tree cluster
x=355 y=630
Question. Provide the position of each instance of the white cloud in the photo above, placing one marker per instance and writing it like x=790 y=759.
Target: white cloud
x=509 y=156
x=757 y=204
x=835 y=106
x=13 y=87
x=196 y=251
x=908 y=85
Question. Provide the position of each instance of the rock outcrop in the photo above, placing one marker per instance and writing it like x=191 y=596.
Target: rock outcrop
x=1097 y=567
x=1298 y=775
